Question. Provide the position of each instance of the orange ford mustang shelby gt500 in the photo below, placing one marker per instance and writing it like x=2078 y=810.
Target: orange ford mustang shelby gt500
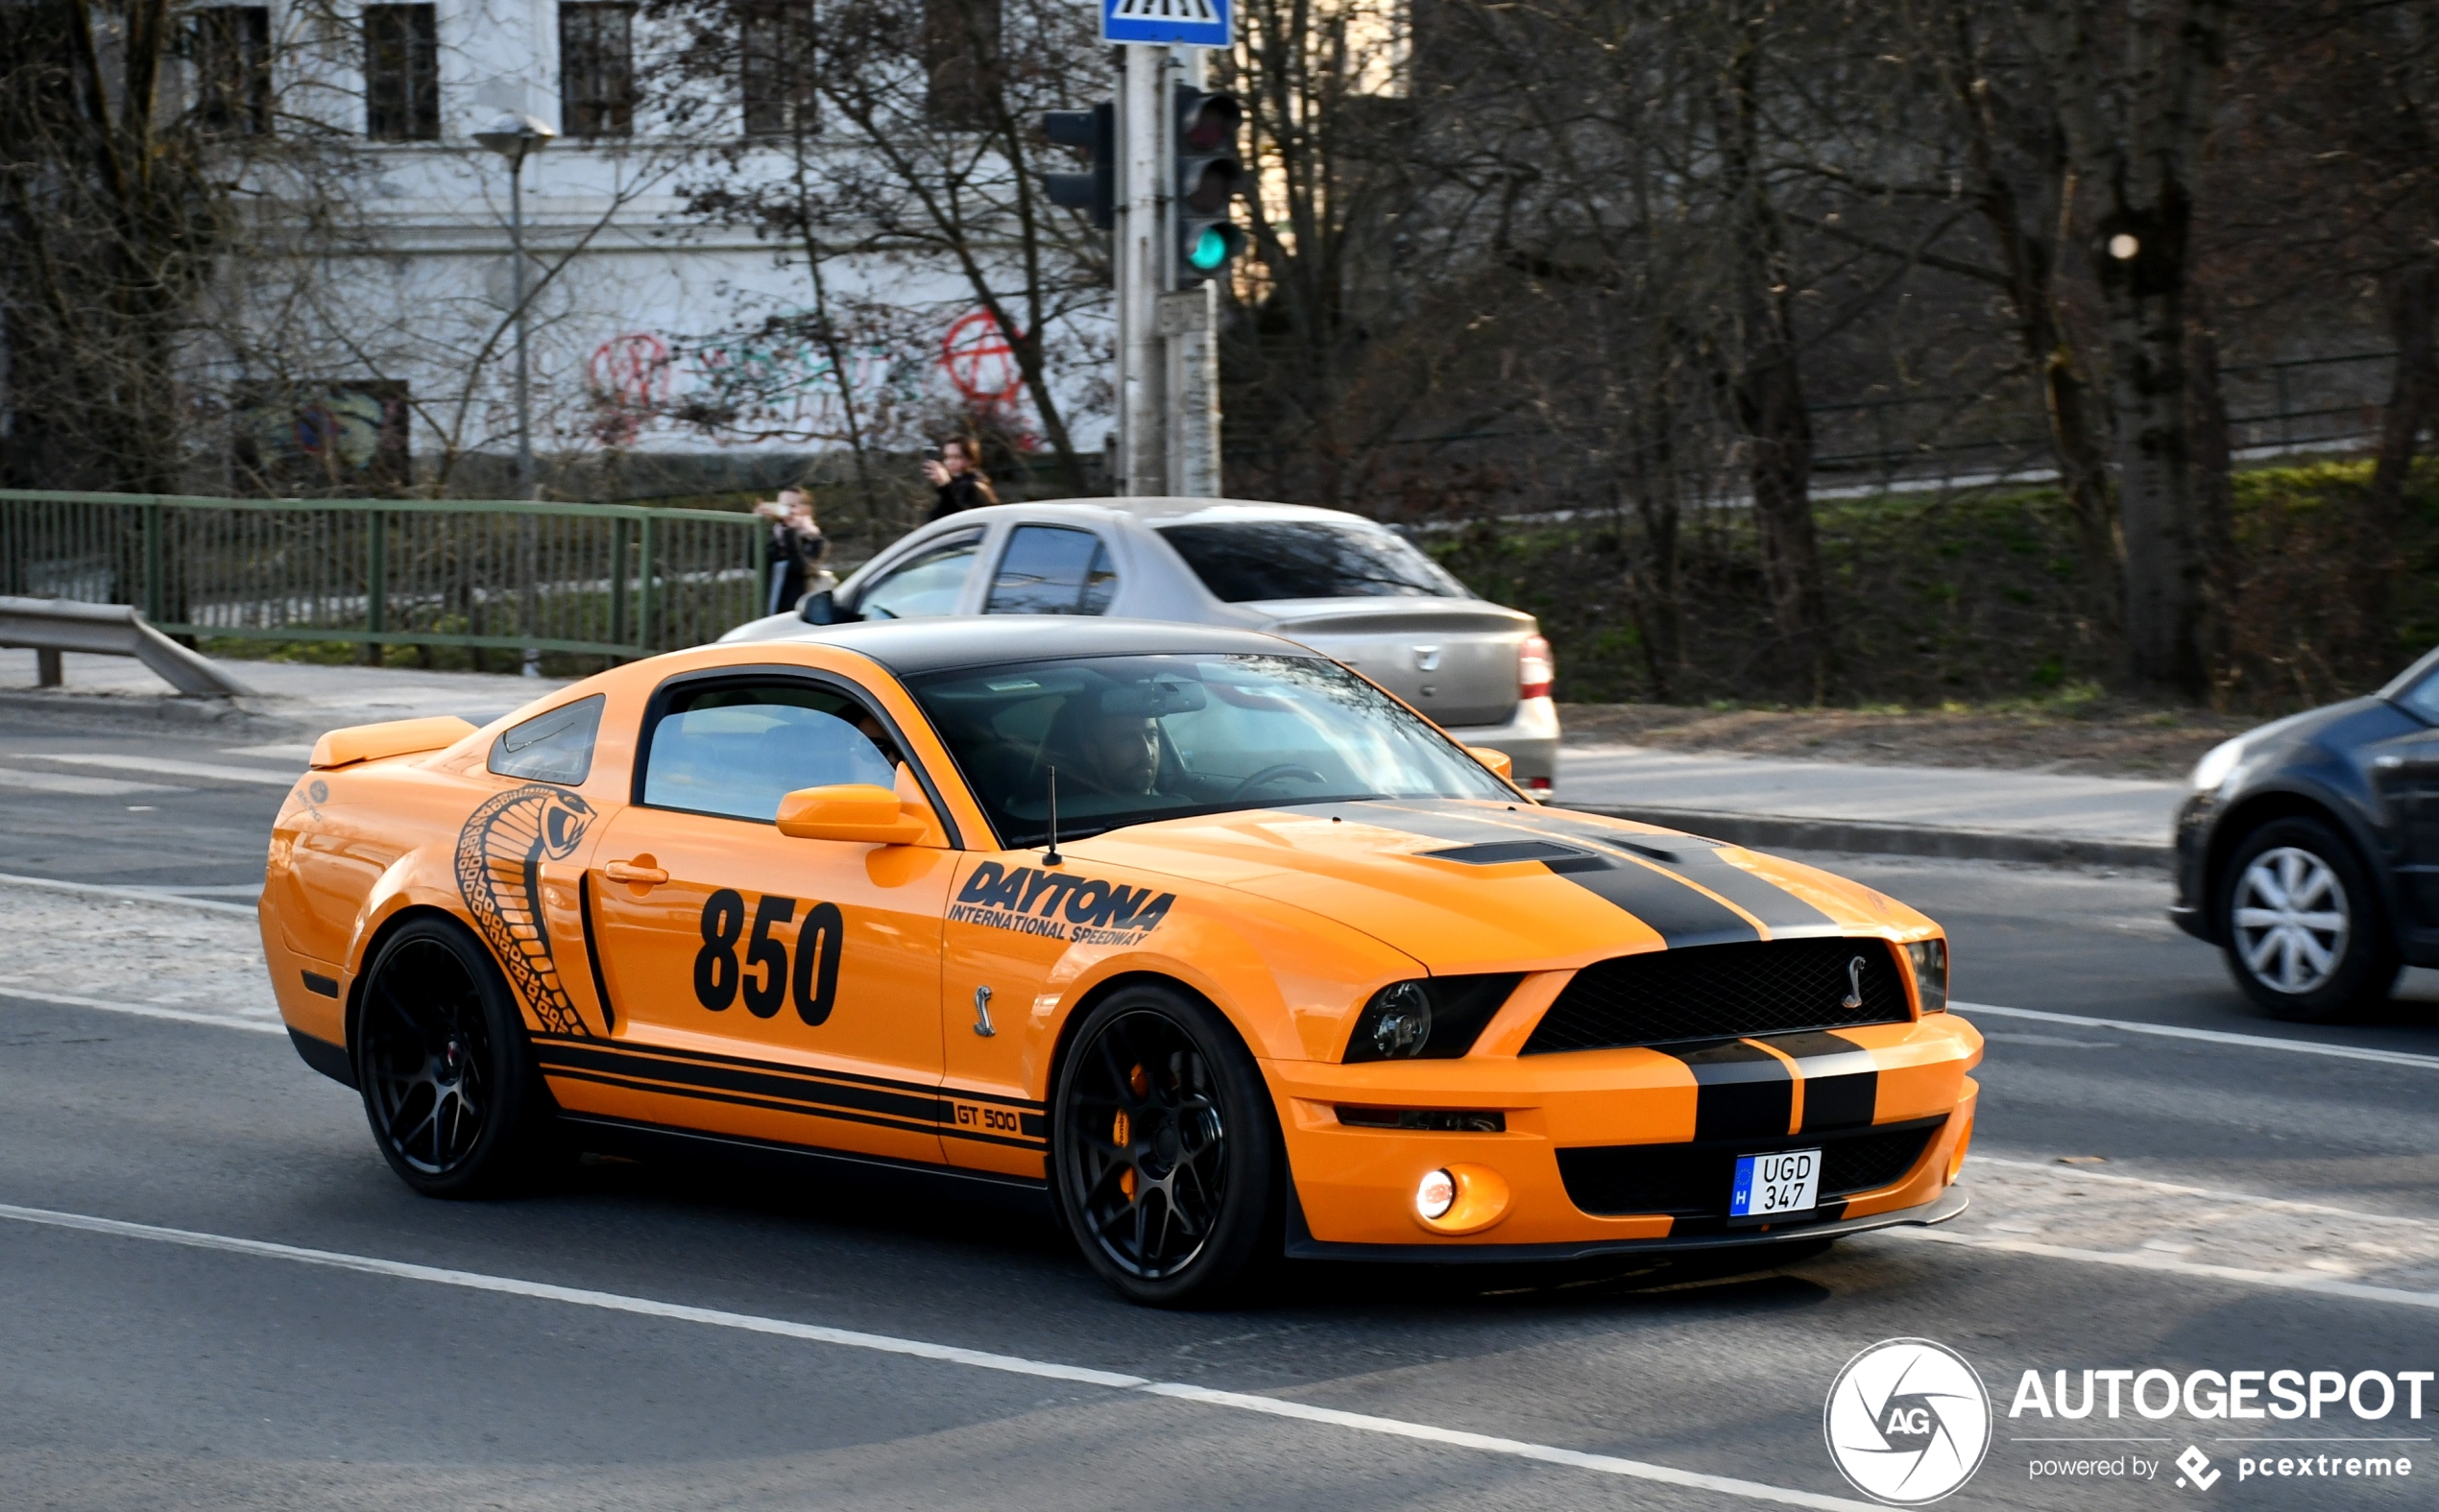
x=1233 y=951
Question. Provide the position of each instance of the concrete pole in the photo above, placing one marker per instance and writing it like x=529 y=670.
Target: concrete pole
x=1142 y=271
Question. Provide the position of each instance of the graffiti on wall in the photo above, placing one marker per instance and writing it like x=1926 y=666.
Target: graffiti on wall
x=778 y=383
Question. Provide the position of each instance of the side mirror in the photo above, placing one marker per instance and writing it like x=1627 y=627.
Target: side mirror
x=823 y=608
x=857 y=812
x=1498 y=761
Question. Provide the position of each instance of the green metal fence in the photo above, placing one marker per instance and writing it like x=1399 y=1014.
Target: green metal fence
x=612 y=580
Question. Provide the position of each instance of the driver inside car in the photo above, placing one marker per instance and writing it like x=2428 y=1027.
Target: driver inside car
x=1122 y=753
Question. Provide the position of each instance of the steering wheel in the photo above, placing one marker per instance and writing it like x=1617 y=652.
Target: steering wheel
x=1269 y=773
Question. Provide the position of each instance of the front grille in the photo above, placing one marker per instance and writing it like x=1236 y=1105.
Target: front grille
x=1723 y=992
x=1692 y=1181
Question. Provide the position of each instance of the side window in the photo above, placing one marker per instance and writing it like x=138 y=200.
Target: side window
x=928 y=582
x=556 y=747
x=1050 y=569
x=738 y=749
x=2423 y=699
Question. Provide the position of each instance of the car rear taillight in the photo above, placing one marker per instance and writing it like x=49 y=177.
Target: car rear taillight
x=1534 y=668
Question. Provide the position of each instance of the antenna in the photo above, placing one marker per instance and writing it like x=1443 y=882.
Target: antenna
x=1050 y=856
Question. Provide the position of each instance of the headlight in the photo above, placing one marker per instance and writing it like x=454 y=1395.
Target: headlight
x=1439 y=1017
x=2217 y=764
x=1929 y=960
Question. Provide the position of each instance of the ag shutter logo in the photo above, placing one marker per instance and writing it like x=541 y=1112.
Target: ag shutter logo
x=1907 y=1422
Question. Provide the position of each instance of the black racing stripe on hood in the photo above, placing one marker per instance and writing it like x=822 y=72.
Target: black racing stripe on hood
x=1743 y=1090
x=1699 y=861
x=1678 y=911
x=1842 y=1079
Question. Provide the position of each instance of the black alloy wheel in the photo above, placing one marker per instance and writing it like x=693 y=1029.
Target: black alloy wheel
x=1164 y=1148
x=449 y=1082
x=2301 y=923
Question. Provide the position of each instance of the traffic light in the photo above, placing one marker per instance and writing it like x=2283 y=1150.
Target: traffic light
x=1096 y=189
x=1205 y=177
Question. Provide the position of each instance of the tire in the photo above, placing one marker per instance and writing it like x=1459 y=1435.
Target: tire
x=2306 y=935
x=1165 y=1161
x=451 y=1090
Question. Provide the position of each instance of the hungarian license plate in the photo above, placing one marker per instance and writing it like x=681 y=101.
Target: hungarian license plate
x=1788 y=1181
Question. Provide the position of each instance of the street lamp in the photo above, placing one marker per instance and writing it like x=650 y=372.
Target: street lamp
x=516 y=138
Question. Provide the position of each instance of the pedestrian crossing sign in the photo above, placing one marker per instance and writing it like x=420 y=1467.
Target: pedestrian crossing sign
x=1178 y=23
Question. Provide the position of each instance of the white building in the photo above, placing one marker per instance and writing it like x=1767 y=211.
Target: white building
x=668 y=351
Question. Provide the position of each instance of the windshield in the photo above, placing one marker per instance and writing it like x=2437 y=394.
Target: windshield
x=1245 y=561
x=1145 y=738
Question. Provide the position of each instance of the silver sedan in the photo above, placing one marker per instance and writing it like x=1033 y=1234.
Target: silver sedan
x=1347 y=586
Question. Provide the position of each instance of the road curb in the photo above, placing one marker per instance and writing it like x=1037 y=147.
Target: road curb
x=1783 y=832
x=228 y=716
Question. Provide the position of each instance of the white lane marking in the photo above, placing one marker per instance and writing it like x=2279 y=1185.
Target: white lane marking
x=218 y=1020
x=144 y=895
x=1547 y=1453
x=2248 y=1042
x=299 y=754
x=2217 y=1193
x=233 y=890
x=946 y=1353
x=2152 y=1260
x=79 y=786
x=210 y=771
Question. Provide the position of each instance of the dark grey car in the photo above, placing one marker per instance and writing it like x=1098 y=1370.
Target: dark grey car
x=2309 y=849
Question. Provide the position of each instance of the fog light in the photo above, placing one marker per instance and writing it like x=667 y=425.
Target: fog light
x=1436 y=1195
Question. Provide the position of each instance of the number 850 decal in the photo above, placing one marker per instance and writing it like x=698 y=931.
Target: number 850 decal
x=814 y=983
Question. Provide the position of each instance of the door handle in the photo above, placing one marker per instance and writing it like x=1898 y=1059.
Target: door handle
x=641 y=872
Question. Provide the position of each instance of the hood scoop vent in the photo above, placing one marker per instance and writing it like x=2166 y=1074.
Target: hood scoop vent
x=1549 y=853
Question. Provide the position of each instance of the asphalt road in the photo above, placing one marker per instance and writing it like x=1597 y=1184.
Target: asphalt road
x=2255 y=1206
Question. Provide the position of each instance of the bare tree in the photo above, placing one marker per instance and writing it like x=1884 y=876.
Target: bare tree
x=2135 y=85
x=116 y=202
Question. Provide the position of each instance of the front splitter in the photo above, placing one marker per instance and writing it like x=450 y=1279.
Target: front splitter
x=1302 y=1245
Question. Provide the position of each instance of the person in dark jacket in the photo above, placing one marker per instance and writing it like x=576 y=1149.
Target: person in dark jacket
x=957 y=479
x=794 y=549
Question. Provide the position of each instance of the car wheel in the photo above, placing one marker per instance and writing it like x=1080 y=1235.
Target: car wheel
x=1165 y=1150
x=2303 y=932
x=448 y=1081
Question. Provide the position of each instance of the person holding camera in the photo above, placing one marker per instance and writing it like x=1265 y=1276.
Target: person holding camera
x=957 y=480
x=794 y=549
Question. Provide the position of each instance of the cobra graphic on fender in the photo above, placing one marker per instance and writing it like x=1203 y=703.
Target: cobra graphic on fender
x=1059 y=905
x=499 y=857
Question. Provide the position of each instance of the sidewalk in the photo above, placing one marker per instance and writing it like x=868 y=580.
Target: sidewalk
x=1908 y=810
x=288 y=700
x=1763 y=800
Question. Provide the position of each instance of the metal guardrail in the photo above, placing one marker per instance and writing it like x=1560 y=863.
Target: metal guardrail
x=612 y=580
x=53 y=625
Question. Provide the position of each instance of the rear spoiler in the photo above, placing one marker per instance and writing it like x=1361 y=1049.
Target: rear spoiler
x=396 y=737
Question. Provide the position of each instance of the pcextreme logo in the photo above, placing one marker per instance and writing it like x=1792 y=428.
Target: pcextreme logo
x=1907 y=1422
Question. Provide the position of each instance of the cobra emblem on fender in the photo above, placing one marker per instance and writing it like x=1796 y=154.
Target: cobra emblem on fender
x=499 y=857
